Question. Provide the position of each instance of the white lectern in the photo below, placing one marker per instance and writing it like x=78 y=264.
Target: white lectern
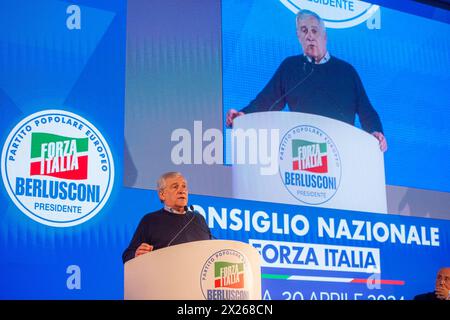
x=209 y=269
x=306 y=159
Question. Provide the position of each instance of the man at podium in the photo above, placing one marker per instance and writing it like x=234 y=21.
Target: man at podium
x=173 y=224
x=316 y=82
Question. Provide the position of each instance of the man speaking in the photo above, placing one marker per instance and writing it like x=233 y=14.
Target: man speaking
x=171 y=225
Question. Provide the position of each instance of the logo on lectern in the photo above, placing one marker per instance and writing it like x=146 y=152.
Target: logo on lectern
x=309 y=164
x=224 y=276
x=57 y=168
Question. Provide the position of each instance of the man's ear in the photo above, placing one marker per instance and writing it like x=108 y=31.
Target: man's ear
x=161 y=195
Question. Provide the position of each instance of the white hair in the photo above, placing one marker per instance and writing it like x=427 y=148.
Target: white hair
x=161 y=183
x=303 y=14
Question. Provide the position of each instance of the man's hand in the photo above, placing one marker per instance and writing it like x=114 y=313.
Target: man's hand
x=142 y=249
x=381 y=139
x=231 y=114
x=442 y=293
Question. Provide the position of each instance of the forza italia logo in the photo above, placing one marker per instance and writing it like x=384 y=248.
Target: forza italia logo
x=228 y=275
x=57 y=168
x=309 y=165
x=225 y=276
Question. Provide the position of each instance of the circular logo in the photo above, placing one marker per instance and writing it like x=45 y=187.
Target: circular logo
x=335 y=14
x=226 y=276
x=57 y=168
x=309 y=164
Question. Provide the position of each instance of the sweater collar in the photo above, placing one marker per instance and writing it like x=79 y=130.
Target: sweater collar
x=325 y=58
x=172 y=210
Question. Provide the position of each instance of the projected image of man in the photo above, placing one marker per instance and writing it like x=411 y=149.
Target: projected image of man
x=316 y=82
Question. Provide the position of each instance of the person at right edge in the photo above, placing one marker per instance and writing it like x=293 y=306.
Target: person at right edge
x=316 y=82
x=441 y=288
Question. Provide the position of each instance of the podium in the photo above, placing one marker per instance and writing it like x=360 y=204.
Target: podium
x=306 y=159
x=199 y=270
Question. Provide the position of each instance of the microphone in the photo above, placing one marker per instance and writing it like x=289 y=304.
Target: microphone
x=297 y=84
x=181 y=230
x=194 y=214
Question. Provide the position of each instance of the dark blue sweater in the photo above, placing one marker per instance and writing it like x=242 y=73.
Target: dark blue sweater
x=333 y=90
x=160 y=227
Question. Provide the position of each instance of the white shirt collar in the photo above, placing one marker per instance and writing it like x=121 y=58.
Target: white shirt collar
x=325 y=58
x=172 y=210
